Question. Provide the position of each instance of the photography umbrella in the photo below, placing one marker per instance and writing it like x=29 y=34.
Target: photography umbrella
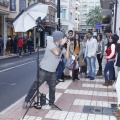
x=26 y=19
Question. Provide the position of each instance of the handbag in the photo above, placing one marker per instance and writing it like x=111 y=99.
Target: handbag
x=69 y=64
x=81 y=61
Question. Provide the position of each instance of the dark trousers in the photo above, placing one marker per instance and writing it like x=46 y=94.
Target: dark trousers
x=20 y=51
x=109 y=67
x=1 y=52
x=75 y=75
x=24 y=48
x=30 y=49
x=50 y=78
x=83 y=69
x=99 y=59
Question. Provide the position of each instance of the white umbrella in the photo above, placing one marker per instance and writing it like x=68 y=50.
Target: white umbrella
x=26 y=19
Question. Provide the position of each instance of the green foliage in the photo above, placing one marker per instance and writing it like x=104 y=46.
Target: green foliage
x=94 y=16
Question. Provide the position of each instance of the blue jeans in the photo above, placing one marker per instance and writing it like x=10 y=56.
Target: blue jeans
x=91 y=66
x=109 y=67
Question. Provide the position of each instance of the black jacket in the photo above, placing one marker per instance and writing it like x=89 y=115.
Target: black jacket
x=1 y=43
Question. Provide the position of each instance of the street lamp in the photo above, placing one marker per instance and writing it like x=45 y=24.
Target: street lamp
x=58 y=14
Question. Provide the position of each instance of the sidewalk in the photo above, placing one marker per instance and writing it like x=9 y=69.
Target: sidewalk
x=17 y=55
x=79 y=100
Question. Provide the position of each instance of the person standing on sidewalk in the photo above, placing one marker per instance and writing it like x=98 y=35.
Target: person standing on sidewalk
x=20 y=45
x=90 y=54
x=48 y=66
x=100 y=53
x=25 y=44
x=83 y=68
x=15 y=42
x=8 y=46
x=30 y=43
x=75 y=50
x=1 y=46
x=110 y=57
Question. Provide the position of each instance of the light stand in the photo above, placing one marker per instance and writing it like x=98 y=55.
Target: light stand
x=37 y=94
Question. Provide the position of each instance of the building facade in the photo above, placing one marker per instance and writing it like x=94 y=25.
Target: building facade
x=67 y=15
x=77 y=16
x=118 y=18
x=4 y=12
x=85 y=6
x=48 y=23
x=9 y=9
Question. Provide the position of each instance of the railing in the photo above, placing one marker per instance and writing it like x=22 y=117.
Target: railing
x=4 y=3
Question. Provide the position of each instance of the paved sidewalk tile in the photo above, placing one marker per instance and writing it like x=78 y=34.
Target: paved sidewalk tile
x=79 y=100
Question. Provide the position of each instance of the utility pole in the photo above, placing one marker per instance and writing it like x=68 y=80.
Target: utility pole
x=58 y=14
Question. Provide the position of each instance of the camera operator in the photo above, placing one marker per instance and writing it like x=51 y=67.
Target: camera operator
x=48 y=66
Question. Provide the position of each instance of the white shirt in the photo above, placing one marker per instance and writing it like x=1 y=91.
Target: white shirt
x=91 y=47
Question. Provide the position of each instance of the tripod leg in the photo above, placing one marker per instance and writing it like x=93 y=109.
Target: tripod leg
x=54 y=104
x=30 y=104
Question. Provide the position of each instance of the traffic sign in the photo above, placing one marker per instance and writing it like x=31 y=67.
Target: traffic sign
x=98 y=26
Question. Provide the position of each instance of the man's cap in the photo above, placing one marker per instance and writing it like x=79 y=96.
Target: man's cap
x=57 y=35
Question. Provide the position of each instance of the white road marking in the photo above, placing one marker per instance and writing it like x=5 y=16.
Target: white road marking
x=16 y=66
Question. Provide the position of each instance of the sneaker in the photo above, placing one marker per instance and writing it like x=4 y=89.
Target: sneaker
x=61 y=80
x=25 y=105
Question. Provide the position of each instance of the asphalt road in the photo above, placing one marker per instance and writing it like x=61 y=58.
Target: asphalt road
x=16 y=77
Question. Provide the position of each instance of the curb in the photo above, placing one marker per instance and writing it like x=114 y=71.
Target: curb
x=15 y=56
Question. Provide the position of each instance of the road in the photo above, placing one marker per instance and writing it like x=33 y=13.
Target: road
x=16 y=77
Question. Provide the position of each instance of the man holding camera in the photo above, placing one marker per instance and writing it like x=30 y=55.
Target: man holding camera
x=49 y=64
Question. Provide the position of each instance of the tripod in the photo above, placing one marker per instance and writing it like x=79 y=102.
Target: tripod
x=37 y=94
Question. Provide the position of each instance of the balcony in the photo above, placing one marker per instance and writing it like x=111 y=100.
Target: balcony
x=4 y=3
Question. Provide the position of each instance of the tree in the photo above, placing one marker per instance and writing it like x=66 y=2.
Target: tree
x=94 y=16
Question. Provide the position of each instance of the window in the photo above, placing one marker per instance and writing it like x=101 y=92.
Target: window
x=83 y=29
x=84 y=12
x=91 y=4
x=90 y=29
x=84 y=21
x=70 y=16
x=84 y=4
x=63 y=13
x=53 y=1
x=97 y=4
x=46 y=0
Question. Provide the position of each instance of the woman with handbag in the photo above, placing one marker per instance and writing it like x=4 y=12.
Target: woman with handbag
x=82 y=60
x=75 y=50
